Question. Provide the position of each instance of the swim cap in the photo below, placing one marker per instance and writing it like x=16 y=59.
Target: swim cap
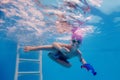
x=76 y=34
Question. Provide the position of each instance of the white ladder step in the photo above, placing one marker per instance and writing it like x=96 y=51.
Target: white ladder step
x=34 y=60
x=29 y=72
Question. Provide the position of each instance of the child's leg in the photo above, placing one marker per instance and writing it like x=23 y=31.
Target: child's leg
x=59 y=59
x=61 y=47
x=33 y=48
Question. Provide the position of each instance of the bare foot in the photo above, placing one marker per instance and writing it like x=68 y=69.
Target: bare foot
x=27 y=48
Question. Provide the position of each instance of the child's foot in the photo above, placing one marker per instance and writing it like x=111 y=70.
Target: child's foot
x=27 y=48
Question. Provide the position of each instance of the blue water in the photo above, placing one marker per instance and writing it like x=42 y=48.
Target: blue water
x=101 y=49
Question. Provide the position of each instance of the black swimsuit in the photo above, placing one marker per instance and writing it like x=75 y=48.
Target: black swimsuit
x=62 y=57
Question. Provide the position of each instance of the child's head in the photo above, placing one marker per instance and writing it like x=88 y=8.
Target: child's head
x=76 y=36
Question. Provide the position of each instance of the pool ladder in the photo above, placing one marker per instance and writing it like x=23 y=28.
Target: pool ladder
x=18 y=60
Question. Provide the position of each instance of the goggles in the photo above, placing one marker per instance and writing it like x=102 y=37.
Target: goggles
x=78 y=41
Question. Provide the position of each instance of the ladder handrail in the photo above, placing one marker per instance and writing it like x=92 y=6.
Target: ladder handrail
x=17 y=62
x=40 y=67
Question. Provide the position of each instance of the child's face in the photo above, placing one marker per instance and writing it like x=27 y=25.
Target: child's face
x=76 y=43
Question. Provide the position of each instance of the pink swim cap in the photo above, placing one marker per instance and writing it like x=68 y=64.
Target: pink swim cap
x=76 y=34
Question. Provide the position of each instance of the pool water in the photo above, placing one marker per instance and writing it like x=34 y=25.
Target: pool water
x=21 y=23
